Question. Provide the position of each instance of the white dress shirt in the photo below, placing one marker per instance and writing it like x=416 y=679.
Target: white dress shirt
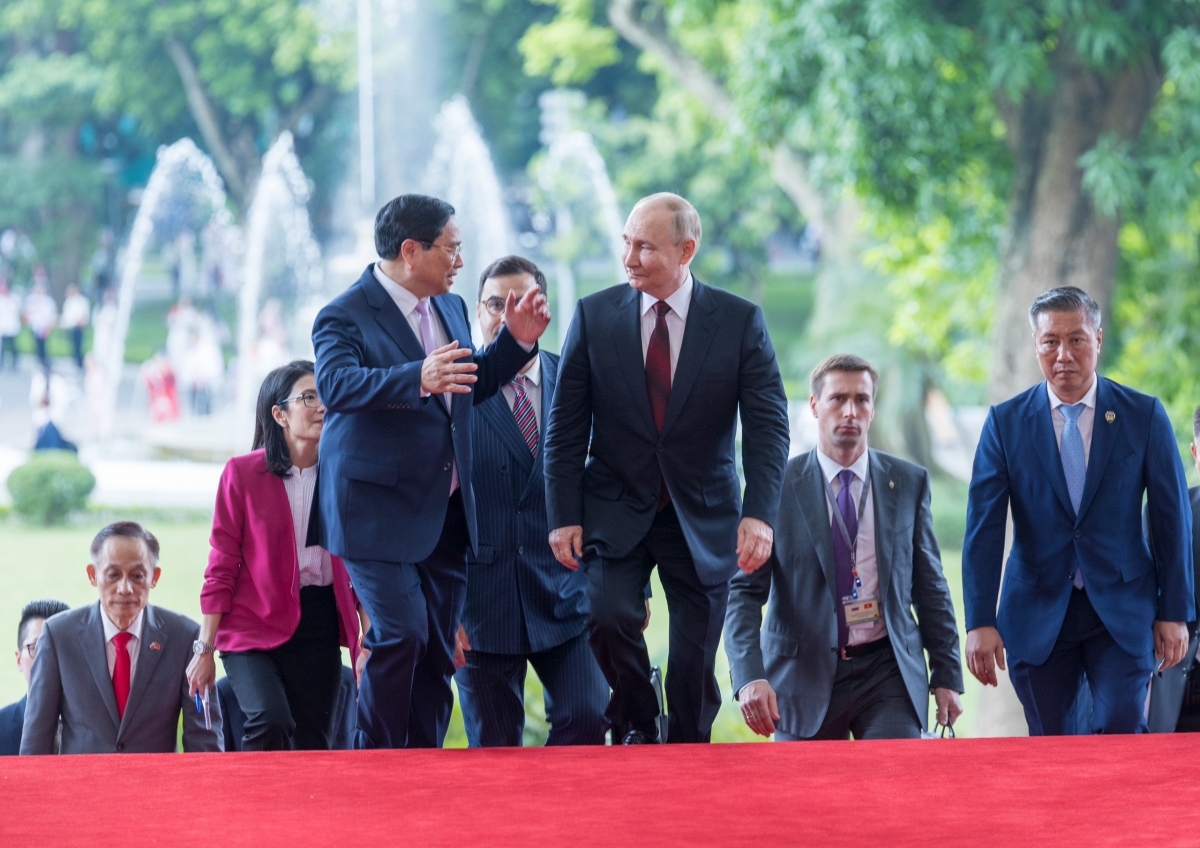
x=1086 y=421
x=533 y=390
x=316 y=568
x=75 y=312
x=676 y=320
x=110 y=650
x=868 y=571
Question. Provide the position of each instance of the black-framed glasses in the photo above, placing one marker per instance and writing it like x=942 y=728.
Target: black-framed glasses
x=494 y=305
x=453 y=252
x=30 y=648
x=309 y=399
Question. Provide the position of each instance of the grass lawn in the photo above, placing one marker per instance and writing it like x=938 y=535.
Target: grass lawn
x=50 y=562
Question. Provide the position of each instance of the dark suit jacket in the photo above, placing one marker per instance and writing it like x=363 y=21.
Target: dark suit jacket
x=601 y=416
x=70 y=678
x=1167 y=688
x=796 y=649
x=386 y=452
x=1018 y=465
x=519 y=598
x=11 y=719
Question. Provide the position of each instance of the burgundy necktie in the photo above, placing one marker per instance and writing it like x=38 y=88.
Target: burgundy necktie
x=121 y=670
x=658 y=377
x=523 y=412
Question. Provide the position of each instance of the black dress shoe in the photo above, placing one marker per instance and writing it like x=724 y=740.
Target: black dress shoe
x=638 y=737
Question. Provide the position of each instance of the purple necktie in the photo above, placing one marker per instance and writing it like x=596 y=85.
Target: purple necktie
x=430 y=344
x=843 y=563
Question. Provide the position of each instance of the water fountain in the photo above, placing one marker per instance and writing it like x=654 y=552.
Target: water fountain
x=182 y=175
x=283 y=283
x=575 y=188
x=461 y=172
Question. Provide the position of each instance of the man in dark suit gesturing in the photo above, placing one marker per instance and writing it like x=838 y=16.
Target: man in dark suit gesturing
x=1084 y=595
x=523 y=608
x=640 y=467
x=398 y=376
x=841 y=654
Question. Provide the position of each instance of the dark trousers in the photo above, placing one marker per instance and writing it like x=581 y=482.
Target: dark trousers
x=77 y=346
x=8 y=350
x=43 y=357
x=616 y=593
x=404 y=696
x=869 y=701
x=491 y=692
x=289 y=694
x=1117 y=680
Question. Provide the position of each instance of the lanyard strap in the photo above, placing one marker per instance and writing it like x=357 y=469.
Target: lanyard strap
x=851 y=544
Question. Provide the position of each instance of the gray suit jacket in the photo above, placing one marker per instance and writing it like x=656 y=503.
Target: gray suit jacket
x=70 y=679
x=796 y=650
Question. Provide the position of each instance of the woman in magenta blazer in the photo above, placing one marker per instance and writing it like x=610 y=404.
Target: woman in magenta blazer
x=277 y=606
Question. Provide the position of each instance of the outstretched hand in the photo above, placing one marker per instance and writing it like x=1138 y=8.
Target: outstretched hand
x=528 y=317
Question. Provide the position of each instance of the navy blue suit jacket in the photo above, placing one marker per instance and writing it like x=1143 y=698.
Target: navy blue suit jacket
x=601 y=416
x=12 y=718
x=514 y=577
x=1018 y=465
x=386 y=452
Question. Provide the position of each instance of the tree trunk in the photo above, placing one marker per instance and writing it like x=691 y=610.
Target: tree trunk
x=1055 y=234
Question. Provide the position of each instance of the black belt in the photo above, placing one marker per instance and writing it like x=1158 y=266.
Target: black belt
x=851 y=652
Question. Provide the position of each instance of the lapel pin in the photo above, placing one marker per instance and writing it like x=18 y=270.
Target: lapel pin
x=1110 y=416
x=154 y=646
x=891 y=484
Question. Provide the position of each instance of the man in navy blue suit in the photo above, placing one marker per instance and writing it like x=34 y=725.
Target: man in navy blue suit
x=523 y=608
x=1085 y=597
x=29 y=629
x=398 y=376
x=640 y=465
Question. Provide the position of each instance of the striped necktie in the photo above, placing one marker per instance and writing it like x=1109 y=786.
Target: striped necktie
x=523 y=412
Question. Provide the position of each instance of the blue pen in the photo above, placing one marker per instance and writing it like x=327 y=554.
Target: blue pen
x=199 y=704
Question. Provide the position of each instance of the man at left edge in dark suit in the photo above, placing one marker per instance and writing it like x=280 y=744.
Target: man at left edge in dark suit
x=399 y=375
x=29 y=629
x=523 y=608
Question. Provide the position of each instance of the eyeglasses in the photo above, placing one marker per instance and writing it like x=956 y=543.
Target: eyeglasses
x=494 y=305
x=309 y=399
x=30 y=649
x=453 y=252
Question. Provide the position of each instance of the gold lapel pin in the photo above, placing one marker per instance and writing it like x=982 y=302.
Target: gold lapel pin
x=1110 y=416
x=891 y=484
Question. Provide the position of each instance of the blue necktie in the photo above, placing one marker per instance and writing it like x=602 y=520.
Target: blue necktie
x=1074 y=464
x=843 y=564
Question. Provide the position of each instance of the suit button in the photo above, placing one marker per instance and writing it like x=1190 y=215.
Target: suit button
x=521 y=549
x=503 y=469
x=446 y=467
x=519 y=512
x=1078 y=534
x=120 y=747
x=451 y=428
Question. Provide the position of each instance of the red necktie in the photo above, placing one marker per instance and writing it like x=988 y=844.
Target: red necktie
x=658 y=377
x=121 y=671
x=524 y=414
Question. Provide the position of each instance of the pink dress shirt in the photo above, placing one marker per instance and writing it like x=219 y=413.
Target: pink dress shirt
x=253 y=574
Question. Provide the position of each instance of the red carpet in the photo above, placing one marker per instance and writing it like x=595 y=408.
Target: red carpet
x=1078 y=791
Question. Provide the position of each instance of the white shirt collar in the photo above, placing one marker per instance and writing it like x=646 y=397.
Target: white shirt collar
x=1089 y=400
x=405 y=300
x=831 y=469
x=302 y=472
x=534 y=374
x=110 y=629
x=679 y=300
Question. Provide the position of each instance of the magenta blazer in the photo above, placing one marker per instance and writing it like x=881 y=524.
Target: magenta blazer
x=253 y=574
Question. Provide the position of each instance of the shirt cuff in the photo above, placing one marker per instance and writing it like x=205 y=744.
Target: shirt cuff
x=742 y=691
x=525 y=347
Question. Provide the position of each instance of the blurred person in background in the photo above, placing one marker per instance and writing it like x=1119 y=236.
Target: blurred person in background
x=29 y=629
x=10 y=324
x=76 y=312
x=275 y=602
x=41 y=314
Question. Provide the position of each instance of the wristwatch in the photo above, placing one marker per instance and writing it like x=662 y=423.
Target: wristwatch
x=202 y=647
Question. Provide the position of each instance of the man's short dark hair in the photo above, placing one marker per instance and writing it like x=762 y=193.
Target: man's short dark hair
x=845 y=362
x=34 y=610
x=506 y=266
x=127 y=530
x=1196 y=426
x=410 y=216
x=1065 y=299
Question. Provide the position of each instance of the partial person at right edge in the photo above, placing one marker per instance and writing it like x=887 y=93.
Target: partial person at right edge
x=1084 y=597
x=840 y=654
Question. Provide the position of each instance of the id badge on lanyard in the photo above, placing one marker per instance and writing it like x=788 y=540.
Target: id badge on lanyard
x=859 y=611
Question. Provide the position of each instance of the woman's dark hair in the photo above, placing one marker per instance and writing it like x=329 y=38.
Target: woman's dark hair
x=276 y=388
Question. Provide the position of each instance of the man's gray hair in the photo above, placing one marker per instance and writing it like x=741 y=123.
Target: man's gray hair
x=685 y=220
x=1065 y=299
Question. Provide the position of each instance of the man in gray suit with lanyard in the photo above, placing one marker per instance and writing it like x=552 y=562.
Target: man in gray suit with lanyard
x=840 y=653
